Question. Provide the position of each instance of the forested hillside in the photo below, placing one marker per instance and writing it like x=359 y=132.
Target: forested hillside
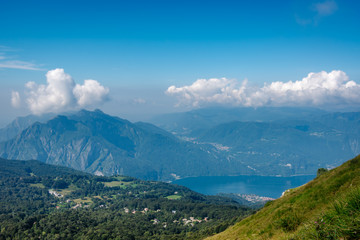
x=40 y=201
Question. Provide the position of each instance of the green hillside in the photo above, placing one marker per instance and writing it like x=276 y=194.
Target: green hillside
x=13 y=168
x=326 y=208
x=41 y=201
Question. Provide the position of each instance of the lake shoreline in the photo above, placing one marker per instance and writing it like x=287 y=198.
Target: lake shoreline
x=267 y=186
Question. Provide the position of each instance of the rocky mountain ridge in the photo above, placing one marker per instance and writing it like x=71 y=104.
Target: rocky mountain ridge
x=95 y=142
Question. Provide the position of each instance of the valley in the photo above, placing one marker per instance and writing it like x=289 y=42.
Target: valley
x=43 y=201
x=296 y=142
x=179 y=120
x=105 y=176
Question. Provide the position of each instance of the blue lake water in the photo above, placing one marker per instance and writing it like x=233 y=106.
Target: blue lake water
x=260 y=185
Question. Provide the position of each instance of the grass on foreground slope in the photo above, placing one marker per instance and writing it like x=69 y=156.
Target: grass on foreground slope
x=326 y=208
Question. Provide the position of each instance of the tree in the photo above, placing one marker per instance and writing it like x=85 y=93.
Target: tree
x=321 y=171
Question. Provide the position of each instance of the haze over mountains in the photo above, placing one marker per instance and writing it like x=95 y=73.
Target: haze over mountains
x=191 y=122
x=101 y=144
x=204 y=142
x=269 y=140
x=20 y=123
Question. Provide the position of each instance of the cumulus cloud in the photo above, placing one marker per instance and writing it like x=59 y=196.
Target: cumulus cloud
x=15 y=99
x=317 y=89
x=62 y=94
x=209 y=90
x=90 y=92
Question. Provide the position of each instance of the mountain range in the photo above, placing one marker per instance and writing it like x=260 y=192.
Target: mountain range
x=288 y=147
x=21 y=123
x=105 y=145
x=195 y=121
x=272 y=141
x=221 y=141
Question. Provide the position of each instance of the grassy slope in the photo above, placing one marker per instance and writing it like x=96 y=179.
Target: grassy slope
x=296 y=215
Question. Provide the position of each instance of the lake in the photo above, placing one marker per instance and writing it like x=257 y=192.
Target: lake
x=260 y=185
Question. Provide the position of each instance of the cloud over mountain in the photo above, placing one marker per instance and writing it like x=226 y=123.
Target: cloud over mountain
x=62 y=94
x=15 y=99
x=317 y=89
x=90 y=92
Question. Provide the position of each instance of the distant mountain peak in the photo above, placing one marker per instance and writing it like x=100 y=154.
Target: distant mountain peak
x=89 y=112
x=94 y=141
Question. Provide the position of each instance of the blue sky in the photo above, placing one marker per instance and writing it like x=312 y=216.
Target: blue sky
x=137 y=49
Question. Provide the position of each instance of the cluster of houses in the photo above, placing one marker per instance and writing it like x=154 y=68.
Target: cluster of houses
x=77 y=205
x=254 y=198
x=56 y=194
x=127 y=210
x=191 y=221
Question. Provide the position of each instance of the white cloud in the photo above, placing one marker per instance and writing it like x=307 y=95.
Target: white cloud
x=89 y=93
x=317 y=89
x=7 y=61
x=15 y=64
x=15 y=99
x=212 y=90
x=62 y=94
x=325 y=8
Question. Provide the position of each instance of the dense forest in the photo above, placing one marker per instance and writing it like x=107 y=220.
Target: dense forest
x=40 y=201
